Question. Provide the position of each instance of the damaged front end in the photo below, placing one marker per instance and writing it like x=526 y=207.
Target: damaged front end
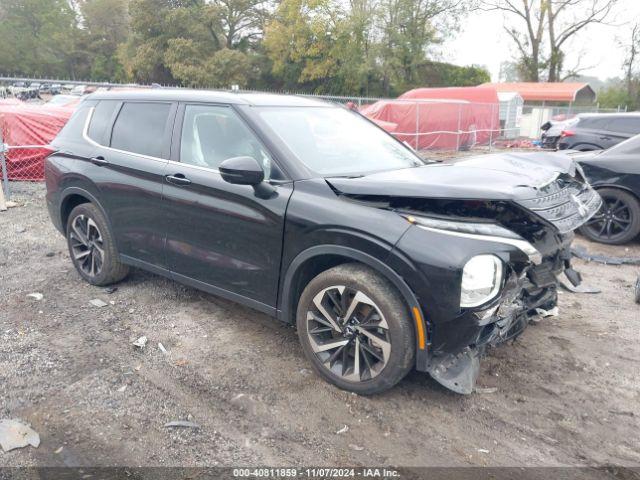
x=514 y=211
x=525 y=295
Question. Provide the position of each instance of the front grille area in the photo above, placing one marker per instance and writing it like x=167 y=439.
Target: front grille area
x=566 y=202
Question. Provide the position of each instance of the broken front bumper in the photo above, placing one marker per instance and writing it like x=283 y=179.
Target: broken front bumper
x=524 y=296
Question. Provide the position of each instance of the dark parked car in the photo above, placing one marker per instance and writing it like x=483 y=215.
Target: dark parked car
x=599 y=131
x=310 y=213
x=615 y=173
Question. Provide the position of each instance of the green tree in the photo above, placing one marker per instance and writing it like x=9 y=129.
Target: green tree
x=106 y=26
x=40 y=38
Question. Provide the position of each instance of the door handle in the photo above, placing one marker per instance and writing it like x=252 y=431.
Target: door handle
x=178 y=179
x=99 y=161
x=605 y=138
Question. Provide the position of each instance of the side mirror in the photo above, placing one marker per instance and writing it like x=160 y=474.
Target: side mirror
x=242 y=171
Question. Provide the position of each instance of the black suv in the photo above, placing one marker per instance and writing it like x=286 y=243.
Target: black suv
x=310 y=213
x=597 y=131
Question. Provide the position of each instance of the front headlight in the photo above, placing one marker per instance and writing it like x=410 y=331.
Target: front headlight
x=481 y=280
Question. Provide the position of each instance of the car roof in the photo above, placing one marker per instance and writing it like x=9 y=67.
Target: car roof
x=609 y=115
x=186 y=95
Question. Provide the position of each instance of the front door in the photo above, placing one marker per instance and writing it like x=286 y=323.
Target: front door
x=221 y=235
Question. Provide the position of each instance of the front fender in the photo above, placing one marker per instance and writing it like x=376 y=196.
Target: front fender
x=286 y=302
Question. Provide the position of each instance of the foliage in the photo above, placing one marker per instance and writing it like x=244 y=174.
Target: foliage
x=38 y=37
x=614 y=96
x=359 y=47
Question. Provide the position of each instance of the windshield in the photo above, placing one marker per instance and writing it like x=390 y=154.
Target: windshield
x=337 y=142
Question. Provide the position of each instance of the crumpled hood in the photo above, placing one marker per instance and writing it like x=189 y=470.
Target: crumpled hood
x=501 y=176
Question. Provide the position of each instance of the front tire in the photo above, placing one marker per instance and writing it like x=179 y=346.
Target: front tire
x=92 y=248
x=355 y=329
x=617 y=221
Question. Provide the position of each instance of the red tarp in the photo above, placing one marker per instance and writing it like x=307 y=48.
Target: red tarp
x=24 y=124
x=430 y=118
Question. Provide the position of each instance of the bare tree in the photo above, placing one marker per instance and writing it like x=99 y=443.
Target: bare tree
x=543 y=29
x=565 y=18
x=531 y=15
x=632 y=57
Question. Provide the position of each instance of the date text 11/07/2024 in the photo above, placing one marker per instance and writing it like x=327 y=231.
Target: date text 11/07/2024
x=363 y=472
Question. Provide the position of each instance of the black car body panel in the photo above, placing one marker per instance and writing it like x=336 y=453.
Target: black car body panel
x=599 y=131
x=618 y=167
x=261 y=246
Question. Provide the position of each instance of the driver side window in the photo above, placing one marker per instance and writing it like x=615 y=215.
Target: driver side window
x=213 y=134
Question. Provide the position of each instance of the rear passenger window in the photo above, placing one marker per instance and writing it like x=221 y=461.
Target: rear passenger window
x=595 y=123
x=140 y=127
x=625 y=125
x=101 y=120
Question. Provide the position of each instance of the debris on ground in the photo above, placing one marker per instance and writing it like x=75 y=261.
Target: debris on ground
x=582 y=253
x=355 y=447
x=96 y=302
x=36 y=296
x=181 y=424
x=110 y=290
x=162 y=349
x=553 y=312
x=568 y=285
x=16 y=434
x=485 y=389
x=638 y=290
x=122 y=388
x=141 y=342
x=246 y=403
x=344 y=429
x=59 y=450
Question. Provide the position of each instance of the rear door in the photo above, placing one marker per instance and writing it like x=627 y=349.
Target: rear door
x=623 y=127
x=133 y=143
x=224 y=238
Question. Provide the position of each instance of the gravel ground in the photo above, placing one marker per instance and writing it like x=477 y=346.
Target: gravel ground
x=565 y=393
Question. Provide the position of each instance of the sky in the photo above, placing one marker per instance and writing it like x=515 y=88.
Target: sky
x=482 y=41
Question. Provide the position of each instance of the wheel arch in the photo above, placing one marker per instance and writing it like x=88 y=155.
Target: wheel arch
x=592 y=146
x=72 y=197
x=615 y=186
x=313 y=261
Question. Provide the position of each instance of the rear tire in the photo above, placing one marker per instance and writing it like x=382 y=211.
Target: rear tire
x=355 y=329
x=92 y=247
x=617 y=221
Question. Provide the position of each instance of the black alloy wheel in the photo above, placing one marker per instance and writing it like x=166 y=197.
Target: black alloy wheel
x=92 y=248
x=87 y=245
x=348 y=334
x=355 y=329
x=617 y=221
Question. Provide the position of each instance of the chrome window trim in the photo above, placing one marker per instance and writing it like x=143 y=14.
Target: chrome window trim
x=529 y=250
x=85 y=135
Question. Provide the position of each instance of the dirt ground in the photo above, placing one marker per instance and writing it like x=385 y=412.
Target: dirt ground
x=566 y=392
